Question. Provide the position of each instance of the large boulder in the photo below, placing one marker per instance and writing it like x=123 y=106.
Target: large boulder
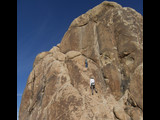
x=110 y=38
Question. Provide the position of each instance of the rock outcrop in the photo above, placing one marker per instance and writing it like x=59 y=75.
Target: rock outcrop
x=110 y=37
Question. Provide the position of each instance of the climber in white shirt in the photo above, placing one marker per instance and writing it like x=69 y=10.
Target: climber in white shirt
x=92 y=85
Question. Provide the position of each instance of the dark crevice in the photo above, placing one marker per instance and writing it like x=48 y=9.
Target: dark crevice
x=123 y=55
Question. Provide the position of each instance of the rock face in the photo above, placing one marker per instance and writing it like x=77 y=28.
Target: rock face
x=110 y=37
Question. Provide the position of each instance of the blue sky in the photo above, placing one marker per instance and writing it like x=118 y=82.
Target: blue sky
x=41 y=25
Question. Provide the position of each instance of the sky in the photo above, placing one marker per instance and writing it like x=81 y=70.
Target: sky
x=41 y=25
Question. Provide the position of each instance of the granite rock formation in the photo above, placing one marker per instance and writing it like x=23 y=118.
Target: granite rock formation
x=110 y=37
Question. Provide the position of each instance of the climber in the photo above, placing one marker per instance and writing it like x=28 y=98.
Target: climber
x=92 y=85
x=86 y=63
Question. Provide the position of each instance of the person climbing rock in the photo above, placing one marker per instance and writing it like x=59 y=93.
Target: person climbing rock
x=92 y=85
x=86 y=63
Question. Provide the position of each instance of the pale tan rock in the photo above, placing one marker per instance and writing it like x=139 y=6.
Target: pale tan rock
x=72 y=54
x=136 y=85
x=39 y=57
x=110 y=37
x=135 y=113
x=55 y=51
x=120 y=113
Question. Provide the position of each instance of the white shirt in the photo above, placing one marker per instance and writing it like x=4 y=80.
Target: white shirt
x=91 y=81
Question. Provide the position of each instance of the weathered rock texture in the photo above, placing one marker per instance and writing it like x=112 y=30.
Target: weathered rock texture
x=110 y=37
